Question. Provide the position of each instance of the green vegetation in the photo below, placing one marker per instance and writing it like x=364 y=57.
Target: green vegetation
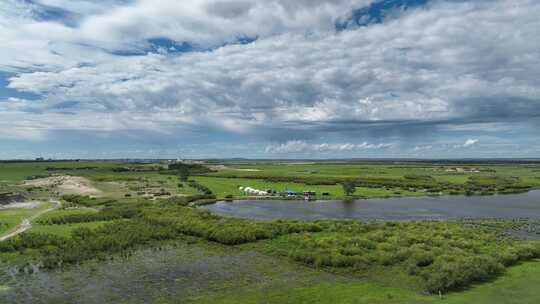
x=349 y=187
x=386 y=179
x=189 y=169
x=446 y=256
x=223 y=187
x=66 y=230
x=373 y=179
x=147 y=205
x=9 y=218
x=201 y=188
x=517 y=286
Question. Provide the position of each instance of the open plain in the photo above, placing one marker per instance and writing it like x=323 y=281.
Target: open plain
x=143 y=229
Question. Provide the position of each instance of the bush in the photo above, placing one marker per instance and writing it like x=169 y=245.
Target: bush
x=444 y=277
x=422 y=259
x=186 y=200
x=349 y=187
x=200 y=188
x=445 y=255
x=190 y=169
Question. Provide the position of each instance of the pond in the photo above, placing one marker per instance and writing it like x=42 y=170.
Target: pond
x=525 y=205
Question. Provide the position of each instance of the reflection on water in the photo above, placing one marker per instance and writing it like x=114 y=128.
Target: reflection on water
x=526 y=205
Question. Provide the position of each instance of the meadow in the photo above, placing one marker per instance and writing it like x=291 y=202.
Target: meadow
x=384 y=179
x=141 y=206
x=373 y=179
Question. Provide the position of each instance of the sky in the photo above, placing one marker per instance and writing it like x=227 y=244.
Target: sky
x=269 y=79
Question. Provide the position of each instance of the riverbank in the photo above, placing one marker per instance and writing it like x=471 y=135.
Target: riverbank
x=509 y=206
x=361 y=197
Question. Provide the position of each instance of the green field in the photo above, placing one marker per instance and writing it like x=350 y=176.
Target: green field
x=144 y=206
x=380 y=179
x=66 y=230
x=223 y=187
x=373 y=179
x=10 y=218
x=517 y=286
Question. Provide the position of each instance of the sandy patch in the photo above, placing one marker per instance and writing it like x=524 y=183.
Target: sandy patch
x=65 y=184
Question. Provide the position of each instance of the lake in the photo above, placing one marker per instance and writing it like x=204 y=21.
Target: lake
x=525 y=205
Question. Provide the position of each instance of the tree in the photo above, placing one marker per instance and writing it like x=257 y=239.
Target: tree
x=349 y=187
x=183 y=173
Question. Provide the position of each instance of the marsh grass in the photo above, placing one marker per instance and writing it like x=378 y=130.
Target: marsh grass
x=446 y=256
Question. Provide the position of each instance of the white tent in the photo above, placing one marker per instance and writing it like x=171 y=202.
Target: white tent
x=254 y=191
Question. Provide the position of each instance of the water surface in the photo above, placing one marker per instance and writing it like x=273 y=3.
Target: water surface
x=526 y=205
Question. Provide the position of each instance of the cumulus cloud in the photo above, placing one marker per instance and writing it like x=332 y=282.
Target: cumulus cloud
x=212 y=22
x=395 y=71
x=450 y=66
x=109 y=26
x=300 y=146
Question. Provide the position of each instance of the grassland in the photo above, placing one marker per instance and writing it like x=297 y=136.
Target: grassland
x=224 y=187
x=43 y=224
x=380 y=179
x=517 y=286
x=10 y=218
x=374 y=180
x=67 y=229
x=143 y=206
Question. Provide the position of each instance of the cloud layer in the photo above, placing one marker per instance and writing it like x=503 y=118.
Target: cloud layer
x=299 y=146
x=437 y=70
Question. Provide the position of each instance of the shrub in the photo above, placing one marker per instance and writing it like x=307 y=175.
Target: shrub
x=456 y=275
x=422 y=259
x=200 y=187
x=349 y=187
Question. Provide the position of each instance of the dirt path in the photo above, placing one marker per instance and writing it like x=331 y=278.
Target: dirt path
x=27 y=222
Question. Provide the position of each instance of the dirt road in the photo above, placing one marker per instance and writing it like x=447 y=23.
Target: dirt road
x=27 y=222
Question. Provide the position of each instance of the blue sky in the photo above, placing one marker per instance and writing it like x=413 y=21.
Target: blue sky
x=269 y=79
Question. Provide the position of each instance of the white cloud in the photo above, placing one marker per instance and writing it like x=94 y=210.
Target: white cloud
x=300 y=146
x=211 y=22
x=453 y=61
x=470 y=143
x=30 y=43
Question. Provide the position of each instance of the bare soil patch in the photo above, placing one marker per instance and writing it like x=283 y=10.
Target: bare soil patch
x=66 y=185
